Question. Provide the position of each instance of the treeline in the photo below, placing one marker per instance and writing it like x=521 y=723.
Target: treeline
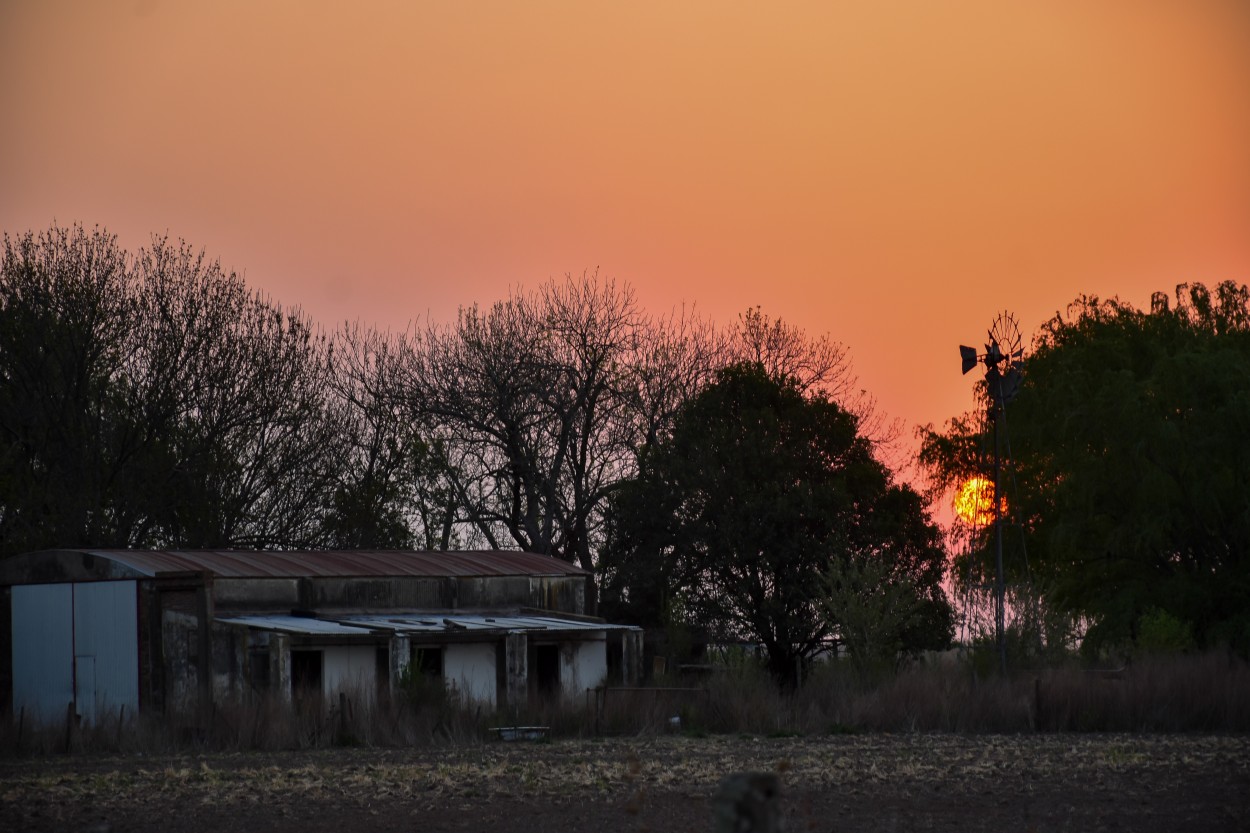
x=154 y=400
x=725 y=478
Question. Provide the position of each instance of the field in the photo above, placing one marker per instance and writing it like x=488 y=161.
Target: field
x=855 y=782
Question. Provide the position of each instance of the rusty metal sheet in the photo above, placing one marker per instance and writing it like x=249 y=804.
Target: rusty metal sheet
x=330 y=563
x=301 y=625
x=415 y=623
x=442 y=622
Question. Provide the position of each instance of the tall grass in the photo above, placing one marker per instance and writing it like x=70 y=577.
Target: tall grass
x=1201 y=693
x=1191 y=693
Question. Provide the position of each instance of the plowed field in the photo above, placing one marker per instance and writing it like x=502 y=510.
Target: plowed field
x=840 y=783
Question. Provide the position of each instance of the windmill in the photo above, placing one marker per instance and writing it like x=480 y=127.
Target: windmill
x=1003 y=360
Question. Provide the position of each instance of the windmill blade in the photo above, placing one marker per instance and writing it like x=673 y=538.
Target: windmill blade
x=968 y=356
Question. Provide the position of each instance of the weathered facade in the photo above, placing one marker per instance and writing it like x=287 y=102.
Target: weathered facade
x=90 y=631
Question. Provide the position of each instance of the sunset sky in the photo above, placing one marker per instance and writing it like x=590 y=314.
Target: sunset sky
x=893 y=173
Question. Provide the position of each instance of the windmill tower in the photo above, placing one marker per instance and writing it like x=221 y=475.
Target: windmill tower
x=1003 y=373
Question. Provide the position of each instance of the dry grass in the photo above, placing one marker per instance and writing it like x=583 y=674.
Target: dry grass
x=1207 y=693
x=1203 y=693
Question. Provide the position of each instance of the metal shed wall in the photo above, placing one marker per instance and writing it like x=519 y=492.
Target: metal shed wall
x=106 y=632
x=43 y=650
x=75 y=643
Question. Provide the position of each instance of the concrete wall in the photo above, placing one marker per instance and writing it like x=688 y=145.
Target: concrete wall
x=469 y=668
x=277 y=594
x=180 y=654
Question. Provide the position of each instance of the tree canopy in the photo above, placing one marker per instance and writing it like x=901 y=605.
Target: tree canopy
x=735 y=518
x=1131 y=465
x=152 y=400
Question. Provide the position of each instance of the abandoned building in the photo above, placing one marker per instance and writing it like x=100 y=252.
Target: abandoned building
x=91 y=631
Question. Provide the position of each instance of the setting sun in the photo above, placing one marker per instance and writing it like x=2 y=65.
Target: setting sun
x=974 y=501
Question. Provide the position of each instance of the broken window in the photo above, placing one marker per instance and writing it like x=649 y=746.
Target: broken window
x=428 y=661
x=423 y=681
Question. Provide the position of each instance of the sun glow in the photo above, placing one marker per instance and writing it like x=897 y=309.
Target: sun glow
x=974 y=503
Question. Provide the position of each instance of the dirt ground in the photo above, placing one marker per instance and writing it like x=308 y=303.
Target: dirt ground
x=839 y=783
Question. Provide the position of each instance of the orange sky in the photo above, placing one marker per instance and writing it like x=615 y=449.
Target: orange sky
x=893 y=172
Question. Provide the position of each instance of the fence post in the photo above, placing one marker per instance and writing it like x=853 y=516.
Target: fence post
x=69 y=725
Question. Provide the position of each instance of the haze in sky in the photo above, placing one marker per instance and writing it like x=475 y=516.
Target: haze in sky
x=892 y=173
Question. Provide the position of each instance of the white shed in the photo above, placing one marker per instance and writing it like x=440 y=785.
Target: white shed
x=89 y=633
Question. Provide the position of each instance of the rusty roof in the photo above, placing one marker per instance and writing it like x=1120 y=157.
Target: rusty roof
x=326 y=563
x=415 y=623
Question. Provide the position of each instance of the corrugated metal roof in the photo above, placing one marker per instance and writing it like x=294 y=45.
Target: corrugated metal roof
x=416 y=623
x=297 y=625
x=339 y=563
x=436 y=623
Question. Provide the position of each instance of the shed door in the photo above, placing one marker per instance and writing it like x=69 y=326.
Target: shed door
x=43 y=650
x=56 y=628
x=106 y=629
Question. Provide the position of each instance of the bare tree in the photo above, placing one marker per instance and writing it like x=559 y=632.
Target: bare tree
x=155 y=400
x=818 y=365
x=784 y=351
x=237 y=389
x=543 y=405
x=528 y=403
x=672 y=358
x=393 y=489
x=66 y=305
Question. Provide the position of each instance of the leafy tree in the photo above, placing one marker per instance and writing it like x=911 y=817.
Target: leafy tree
x=1132 y=468
x=736 y=518
x=888 y=603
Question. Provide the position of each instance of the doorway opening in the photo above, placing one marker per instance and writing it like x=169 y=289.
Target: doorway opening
x=547 y=669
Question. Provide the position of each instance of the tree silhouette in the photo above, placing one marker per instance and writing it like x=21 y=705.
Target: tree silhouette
x=735 y=520
x=1131 y=464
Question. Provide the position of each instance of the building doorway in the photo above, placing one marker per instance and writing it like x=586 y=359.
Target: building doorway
x=306 y=674
x=547 y=670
